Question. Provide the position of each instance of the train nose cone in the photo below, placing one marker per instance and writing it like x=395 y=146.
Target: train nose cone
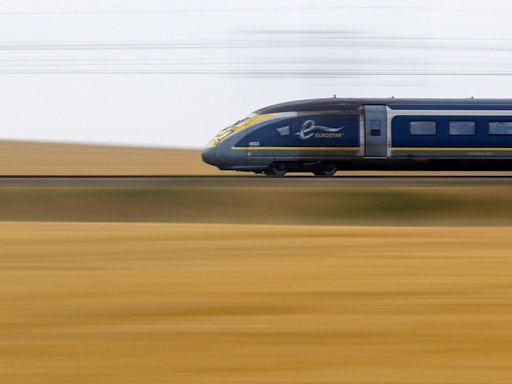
x=210 y=156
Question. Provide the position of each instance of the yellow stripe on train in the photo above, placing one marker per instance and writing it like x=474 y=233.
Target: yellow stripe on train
x=451 y=149
x=295 y=148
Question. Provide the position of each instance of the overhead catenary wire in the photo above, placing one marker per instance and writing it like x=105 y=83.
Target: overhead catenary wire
x=500 y=46
x=205 y=65
x=246 y=73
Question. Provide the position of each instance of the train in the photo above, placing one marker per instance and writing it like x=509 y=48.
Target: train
x=324 y=136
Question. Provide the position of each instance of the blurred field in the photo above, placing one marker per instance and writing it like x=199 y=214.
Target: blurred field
x=339 y=201
x=32 y=158
x=191 y=280
x=176 y=303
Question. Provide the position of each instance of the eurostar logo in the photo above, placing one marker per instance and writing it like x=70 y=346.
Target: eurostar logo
x=310 y=129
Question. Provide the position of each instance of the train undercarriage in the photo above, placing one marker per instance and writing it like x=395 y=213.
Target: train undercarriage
x=330 y=168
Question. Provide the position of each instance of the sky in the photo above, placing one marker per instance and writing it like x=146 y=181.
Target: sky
x=173 y=73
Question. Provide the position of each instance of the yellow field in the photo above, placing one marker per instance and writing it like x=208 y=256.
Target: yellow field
x=173 y=303
x=32 y=158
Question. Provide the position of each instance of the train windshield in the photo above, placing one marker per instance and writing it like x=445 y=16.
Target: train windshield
x=232 y=129
x=242 y=120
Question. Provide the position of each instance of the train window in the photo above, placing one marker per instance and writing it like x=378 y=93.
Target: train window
x=376 y=127
x=500 y=128
x=284 y=131
x=462 y=128
x=424 y=128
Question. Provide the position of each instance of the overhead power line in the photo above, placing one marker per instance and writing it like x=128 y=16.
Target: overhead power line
x=249 y=73
x=135 y=12
x=268 y=42
x=295 y=7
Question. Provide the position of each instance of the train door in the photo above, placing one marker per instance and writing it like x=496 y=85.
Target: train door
x=376 y=131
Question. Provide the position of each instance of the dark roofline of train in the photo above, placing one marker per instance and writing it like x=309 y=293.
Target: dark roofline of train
x=331 y=104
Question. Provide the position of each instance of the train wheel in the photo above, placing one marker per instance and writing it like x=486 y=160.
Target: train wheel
x=277 y=169
x=327 y=170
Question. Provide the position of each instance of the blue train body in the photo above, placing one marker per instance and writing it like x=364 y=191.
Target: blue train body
x=327 y=135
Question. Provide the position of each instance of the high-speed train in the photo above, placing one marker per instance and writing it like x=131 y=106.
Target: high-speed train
x=323 y=136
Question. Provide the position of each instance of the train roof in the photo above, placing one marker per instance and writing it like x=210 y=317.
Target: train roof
x=354 y=104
